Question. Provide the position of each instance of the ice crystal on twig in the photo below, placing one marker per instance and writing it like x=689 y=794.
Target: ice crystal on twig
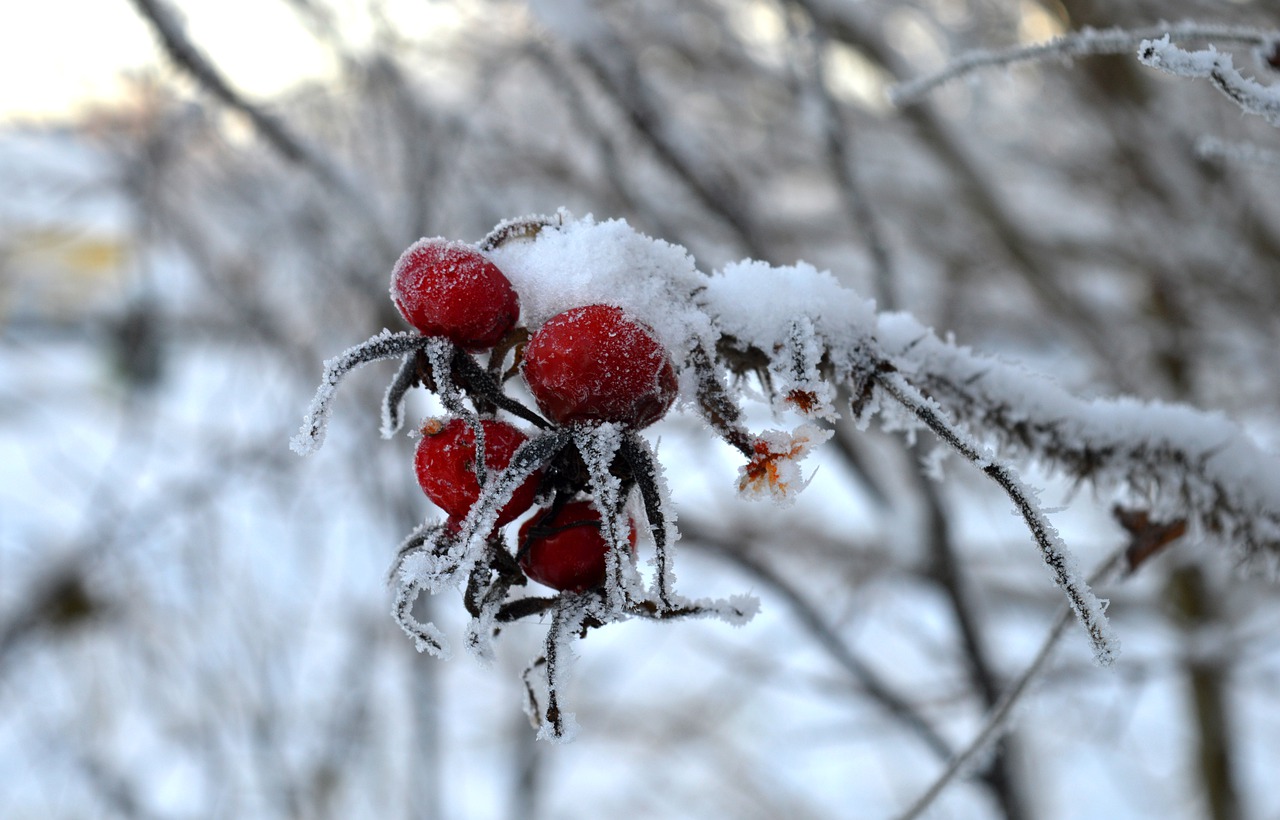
x=1217 y=67
x=1083 y=43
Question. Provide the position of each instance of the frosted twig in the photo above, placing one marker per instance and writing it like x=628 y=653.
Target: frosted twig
x=997 y=721
x=426 y=637
x=524 y=227
x=426 y=542
x=717 y=408
x=1084 y=43
x=1187 y=463
x=1237 y=153
x=386 y=345
x=1088 y=608
x=440 y=355
x=525 y=461
x=567 y=619
x=476 y=380
x=878 y=690
x=487 y=609
x=1218 y=68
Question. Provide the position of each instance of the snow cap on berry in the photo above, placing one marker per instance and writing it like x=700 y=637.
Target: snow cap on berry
x=575 y=262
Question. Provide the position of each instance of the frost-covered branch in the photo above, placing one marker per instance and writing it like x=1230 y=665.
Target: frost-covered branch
x=1237 y=153
x=1218 y=67
x=1084 y=43
x=1177 y=461
x=1090 y=611
x=808 y=340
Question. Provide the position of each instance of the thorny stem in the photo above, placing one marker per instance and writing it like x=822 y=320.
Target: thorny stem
x=997 y=721
x=1087 y=607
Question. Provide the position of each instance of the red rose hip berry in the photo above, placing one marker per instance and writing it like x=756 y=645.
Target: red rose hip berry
x=445 y=464
x=448 y=289
x=594 y=364
x=566 y=551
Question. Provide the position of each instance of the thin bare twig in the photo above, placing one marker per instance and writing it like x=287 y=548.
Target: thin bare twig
x=808 y=615
x=186 y=56
x=997 y=721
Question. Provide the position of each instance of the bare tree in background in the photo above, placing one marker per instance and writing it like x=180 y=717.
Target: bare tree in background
x=193 y=622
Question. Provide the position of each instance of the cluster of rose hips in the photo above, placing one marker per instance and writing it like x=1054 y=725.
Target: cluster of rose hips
x=586 y=366
x=597 y=376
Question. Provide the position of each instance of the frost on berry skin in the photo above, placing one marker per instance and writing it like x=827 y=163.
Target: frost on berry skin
x=446 y=288
x=565 y=549
x=593 y=364
x=445 y=463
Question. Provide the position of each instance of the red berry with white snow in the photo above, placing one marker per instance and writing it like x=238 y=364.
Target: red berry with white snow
x=449 y=289
x=566 y=551
x=594 y=364
x=445 y=463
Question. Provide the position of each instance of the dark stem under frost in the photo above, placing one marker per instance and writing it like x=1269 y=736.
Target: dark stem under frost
x=645 y=469
x=997 y=722
x=407 y=377
x=1084 y=603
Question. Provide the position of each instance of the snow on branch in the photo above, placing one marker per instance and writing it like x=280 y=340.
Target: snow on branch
x=1083 y=43
x=1218 y=68
x=1087 y=607
x=1237 y=153
x=1176 y=460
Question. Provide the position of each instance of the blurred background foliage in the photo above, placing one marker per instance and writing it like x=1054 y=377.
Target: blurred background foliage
x=194 y=623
